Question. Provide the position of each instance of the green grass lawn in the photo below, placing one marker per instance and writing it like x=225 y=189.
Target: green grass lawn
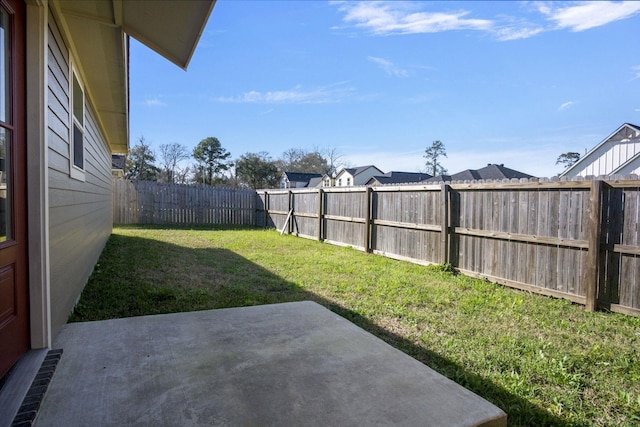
x=543 y=361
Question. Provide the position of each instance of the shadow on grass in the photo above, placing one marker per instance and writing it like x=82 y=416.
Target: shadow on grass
x=137 y=276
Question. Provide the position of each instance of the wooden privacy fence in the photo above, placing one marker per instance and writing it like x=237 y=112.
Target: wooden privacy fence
x=577 y=240
x=147 y=202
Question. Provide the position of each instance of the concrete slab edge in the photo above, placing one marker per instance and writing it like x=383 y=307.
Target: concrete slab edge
x=17 y=383
x=28 y=410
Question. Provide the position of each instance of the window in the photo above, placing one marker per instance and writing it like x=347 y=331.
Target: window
x=340 y=182
x=348 y=182
x=6 y=125
x=76 y=145
x=327 y=183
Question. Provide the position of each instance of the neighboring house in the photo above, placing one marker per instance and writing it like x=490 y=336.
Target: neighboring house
x=398 y=178
x=326 y=181
x=117 y=165
x=315 y=182
x=348 y=177
x=297 y=179
x=618 y=154
x=65 y=68
x=490 y=172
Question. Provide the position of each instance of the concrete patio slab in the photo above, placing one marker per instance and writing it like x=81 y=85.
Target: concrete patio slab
x=282 y=364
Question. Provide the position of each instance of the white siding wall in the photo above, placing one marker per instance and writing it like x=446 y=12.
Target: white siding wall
x=610 y=156
x=632 y=168
x=341 y=179
x=80 y=214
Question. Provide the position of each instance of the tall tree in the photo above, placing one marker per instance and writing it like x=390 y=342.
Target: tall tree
x=334 y=160
x=140 y=162
x=212 y=159
x=257 y=170
x=432 y=155
x=170 y=156
x=301 y=160
x=181 y=174
x=568 y=159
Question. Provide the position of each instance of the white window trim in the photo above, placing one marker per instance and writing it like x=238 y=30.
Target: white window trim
x=74 y=171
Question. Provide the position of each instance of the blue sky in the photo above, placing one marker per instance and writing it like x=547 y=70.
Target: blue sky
x=516 y=83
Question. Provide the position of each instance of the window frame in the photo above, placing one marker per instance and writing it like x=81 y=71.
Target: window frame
x=75 y=171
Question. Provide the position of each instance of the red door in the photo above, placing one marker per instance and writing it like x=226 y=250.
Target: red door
x=14 y=315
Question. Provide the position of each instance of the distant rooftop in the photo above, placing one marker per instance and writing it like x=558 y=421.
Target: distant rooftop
x=490 y=172
x=301 y=177
x=396 y=177
x=358 y=170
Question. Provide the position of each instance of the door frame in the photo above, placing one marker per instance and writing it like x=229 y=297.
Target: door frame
x=16 y=326
x=37 y=23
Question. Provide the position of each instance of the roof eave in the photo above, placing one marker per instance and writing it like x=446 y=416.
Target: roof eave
x=95 y=32
x=172 y=28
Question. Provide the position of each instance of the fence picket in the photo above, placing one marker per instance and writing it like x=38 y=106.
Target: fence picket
x=143 y=202
x=537 y=236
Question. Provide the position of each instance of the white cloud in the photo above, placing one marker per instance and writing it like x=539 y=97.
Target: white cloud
x=388 y=67
x=321 y=95
x=155 y=102
x=402 y=18
x=587 y=15
x=566 y=105
x=387 y=18
x=636 y=72
x=514 y=33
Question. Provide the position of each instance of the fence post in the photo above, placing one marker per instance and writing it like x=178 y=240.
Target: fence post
x=594 y=234
x=266 y=209
x=320 y=214
x=444 y=222
x=290 y=225
x=367 y=220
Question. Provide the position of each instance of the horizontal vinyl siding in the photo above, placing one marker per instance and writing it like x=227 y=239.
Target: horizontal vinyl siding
x=80 y=213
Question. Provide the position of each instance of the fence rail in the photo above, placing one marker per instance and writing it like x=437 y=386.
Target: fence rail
x=578 y=240
x=146 y=202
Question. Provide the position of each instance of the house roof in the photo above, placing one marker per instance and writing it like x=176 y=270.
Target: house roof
x=97 y=31
x=632 y=163
x=118 y=161
x=315 y=181
x=499 y=171
x=357 y=170
x=396 y=177
x=301 y=177
x=588 y=157
x=490 y=172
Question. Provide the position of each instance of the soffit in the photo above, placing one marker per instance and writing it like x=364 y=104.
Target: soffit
x=96 y=35
x=171 y=28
